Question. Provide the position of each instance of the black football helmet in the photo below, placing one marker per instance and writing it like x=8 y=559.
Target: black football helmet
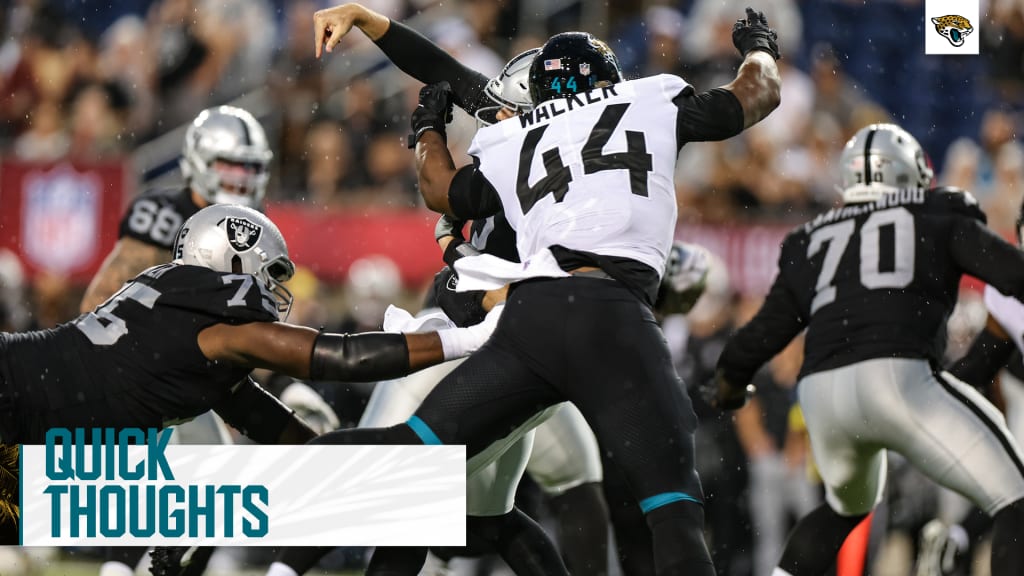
x=569 y=63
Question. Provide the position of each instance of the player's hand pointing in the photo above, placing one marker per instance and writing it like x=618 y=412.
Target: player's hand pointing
x=330 y=25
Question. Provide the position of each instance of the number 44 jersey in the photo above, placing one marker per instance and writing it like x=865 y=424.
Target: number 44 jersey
x=135 y=360
x=875 y=279
x=591 y=172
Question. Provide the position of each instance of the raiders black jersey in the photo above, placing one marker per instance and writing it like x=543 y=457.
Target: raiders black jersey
x=875 y=280
x=135 y=360
x=155 y=217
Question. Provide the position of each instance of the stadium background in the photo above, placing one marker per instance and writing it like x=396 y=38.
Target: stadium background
x=95 y=96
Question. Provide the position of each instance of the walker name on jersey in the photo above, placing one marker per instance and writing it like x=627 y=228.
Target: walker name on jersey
x=559 y=106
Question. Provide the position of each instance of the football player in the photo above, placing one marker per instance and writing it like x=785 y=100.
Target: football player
x=873 y=283
x=181 y=338
x=593 y=236
x=225 y=159
x=566 y=462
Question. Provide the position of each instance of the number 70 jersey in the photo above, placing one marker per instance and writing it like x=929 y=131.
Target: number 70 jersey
x=590 y=172
x=879 y=279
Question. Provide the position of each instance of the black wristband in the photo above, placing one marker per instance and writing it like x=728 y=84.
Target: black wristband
x=458 y=249
x=366 y=357
x=414 y=138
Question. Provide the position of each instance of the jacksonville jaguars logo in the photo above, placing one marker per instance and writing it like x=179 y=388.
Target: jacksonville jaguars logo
x=953 y=28
x=243 y=234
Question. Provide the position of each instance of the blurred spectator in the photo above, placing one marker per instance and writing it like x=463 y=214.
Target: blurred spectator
x=296 y=83
x=327 y=163
x=971 y=164
x=45 y=139
x=388 y=163
x=665 y=27
x=1003 y=40
x=97 y=121
x=127 y=59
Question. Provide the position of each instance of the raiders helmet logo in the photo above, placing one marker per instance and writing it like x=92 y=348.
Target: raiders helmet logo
x=243 y=234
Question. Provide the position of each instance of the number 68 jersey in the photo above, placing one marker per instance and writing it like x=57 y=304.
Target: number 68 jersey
x=875 y=279
x=591 y=172
x=135 y=360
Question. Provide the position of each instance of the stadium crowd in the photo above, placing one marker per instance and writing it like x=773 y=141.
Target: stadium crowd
x=88 y=83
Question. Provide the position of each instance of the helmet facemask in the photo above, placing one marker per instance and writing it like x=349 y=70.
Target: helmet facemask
x=274 y=274
x=510 y=90
x=232 y=137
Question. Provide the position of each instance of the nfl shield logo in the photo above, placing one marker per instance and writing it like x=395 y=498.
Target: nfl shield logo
x=243 y=234
x=585 y=68
x=60 y=218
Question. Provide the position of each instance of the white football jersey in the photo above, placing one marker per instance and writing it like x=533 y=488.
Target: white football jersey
x=1009 y=312
x=593 y=172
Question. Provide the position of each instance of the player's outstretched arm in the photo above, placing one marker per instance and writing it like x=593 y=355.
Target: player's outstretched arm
x=128 y=258
x=302 y=352
x=757 y=85
x=407 y=49
x=330 y=25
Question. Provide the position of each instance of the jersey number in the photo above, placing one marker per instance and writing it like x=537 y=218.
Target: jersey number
x=557 y=175
x=838 y=235
x=247 y=281
x=104 y=328
x=160 y=223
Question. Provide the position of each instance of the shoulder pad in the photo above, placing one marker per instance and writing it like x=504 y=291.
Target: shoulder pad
x=232 y=298
x=956 y=200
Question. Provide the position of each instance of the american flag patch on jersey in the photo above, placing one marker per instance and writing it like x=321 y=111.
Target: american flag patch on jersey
x=555 y=64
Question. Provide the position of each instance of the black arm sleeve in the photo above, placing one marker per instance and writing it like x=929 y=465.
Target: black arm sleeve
x=420 y=58
x=712 y=115
x=987 y=355
x=471 y=196
x=256 y=412
x=983 y=254
x=775 y=325
x=366 y=357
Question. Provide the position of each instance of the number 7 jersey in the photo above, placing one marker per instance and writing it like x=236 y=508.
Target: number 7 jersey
x=591 y=172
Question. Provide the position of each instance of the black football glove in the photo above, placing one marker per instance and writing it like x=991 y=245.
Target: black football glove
x=753 y=33
x=720 y=394
x=463 y=308
x=433 y=111
x=180 y=560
